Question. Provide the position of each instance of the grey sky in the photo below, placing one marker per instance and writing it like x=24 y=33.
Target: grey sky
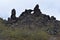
x=49 y=7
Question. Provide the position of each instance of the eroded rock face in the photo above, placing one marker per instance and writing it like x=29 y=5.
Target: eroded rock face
x=26 y=12
x=36 y=16
x=27 y=17
x=35 y=19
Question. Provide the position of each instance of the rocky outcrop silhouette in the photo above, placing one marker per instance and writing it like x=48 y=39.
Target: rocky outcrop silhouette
x=13 y=14
x=35 y=20
x=13 y=17
x=37 y=11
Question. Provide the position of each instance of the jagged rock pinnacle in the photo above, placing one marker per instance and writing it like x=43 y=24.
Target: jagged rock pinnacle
x=13 y=17
x=13 y=14
x=37 y=11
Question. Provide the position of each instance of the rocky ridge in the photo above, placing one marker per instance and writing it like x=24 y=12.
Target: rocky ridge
x=34 y=19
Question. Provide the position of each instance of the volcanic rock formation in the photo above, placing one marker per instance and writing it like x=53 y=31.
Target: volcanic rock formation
x=34 y=20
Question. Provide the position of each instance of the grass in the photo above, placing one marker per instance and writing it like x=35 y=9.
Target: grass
x=9 y=33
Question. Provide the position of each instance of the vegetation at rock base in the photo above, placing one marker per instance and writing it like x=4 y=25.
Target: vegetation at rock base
x=10 y=33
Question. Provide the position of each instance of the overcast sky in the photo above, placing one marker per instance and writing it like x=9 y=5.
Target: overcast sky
x=49 y=7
